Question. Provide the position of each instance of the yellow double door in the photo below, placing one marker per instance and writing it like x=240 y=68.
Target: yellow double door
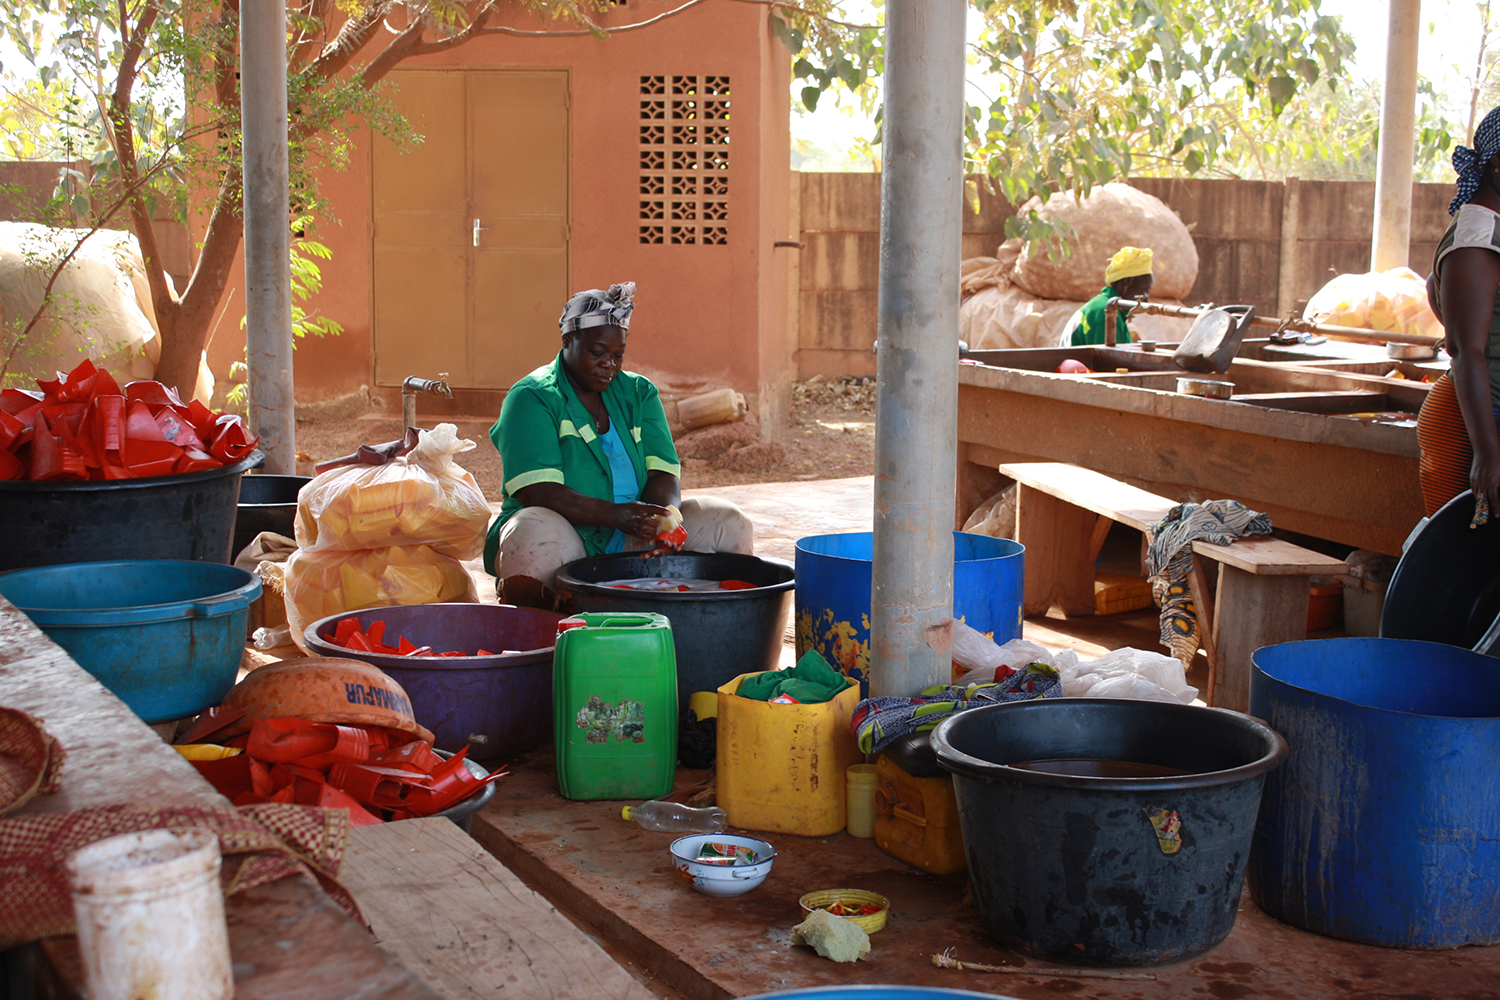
x=471 y=227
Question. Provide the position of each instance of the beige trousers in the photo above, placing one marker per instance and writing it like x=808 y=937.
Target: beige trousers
x=536 y=542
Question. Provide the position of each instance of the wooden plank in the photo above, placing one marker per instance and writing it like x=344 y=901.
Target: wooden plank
x=1058 y=569
x=1332 y=401
x=1203 y=610
x=1271 y=557
x=1092 y=491
x=1252 y=611
x=466 y=925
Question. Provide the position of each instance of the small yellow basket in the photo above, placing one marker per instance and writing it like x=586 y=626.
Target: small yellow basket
x=856 y=898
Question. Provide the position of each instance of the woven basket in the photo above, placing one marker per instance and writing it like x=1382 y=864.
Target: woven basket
x=824 y=898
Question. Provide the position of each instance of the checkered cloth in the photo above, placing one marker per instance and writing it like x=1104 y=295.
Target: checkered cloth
x=260 y=844
x=30 y=759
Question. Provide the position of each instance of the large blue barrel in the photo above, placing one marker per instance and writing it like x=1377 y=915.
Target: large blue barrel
x=1384 y=825
x=833 y=594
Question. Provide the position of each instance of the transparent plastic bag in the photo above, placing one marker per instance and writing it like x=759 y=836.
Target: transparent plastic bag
x=323 y=582
x=422 y=498
x=984 y=662
x=1393 y=301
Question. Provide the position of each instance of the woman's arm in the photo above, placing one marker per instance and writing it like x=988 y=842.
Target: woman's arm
x=1471 y=276
x=637 y=519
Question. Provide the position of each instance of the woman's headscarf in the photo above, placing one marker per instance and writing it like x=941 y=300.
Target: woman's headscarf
x=1470 y=162
x=596 y=307
x=1128 y=263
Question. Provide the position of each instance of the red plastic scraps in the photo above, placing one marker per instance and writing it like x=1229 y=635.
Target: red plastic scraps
x=347 y=633
x=359 y=768
x=83 y=426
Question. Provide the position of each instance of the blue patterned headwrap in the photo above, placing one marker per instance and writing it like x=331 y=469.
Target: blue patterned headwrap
x=1470 y=162
x=597 y=307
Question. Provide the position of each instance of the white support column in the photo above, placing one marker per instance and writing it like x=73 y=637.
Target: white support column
x=1398 y=141
x=916 y=445
x=268 y=274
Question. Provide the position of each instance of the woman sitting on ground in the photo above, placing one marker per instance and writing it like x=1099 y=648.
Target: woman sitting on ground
x=589 y=463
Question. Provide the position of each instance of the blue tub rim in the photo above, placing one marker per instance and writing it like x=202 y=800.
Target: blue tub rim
x=389 y=661
x=1016 y=547
x=224 y=602
x=250 y=461
x=977 y=769
x=567 y=581
x=1477 y=720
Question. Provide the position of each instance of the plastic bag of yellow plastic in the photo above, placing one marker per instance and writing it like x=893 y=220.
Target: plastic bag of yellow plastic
x=421 y=498
x=323 y=582
x=384 y=535
x=1393 y=301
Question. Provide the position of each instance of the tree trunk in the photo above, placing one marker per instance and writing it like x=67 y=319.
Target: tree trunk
x=185 y=322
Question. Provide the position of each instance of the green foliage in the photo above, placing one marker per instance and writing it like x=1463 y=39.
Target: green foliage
x=1066 y=95
x=307 y=281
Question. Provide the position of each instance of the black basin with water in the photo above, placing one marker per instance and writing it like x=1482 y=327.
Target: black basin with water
x=1107 y=870
x=718 y=635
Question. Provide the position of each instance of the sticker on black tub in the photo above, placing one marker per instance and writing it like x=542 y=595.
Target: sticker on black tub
x=1168 y=826
x=599 y=719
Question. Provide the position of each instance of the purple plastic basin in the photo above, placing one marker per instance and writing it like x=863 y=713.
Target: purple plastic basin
x=494 y=705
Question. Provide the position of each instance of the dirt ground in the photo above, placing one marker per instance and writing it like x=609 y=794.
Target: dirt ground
x=830 y=435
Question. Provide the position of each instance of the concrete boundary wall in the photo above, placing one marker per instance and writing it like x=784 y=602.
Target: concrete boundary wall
x=1271 y=244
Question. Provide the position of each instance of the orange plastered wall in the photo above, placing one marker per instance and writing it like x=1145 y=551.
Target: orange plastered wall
x=706 y=316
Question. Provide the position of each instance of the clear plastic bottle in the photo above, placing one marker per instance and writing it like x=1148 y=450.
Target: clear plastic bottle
x=673 y=817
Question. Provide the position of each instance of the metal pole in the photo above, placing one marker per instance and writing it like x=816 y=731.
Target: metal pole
x=1390 y=245
x=916 y=444
x=268 y=275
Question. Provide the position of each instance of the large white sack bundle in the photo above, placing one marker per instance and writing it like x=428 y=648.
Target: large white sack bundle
x=1112 y=216
x=996 y=318
x=101 y=307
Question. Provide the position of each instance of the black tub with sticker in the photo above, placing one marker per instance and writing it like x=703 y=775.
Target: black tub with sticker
x=1107 y=832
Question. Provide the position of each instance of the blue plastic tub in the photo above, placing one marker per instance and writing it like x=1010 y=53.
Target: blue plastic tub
x=1384 y=825
x=165 y=636
x=874 y=993
x=833 y=594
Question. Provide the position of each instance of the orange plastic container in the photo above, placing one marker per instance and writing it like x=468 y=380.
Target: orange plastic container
x=916 y=812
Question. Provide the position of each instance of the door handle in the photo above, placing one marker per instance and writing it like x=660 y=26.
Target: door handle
x=477 y=230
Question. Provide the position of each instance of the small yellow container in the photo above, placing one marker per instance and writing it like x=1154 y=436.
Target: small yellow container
x=781 y=768
x=863 y=781
x=824 y=898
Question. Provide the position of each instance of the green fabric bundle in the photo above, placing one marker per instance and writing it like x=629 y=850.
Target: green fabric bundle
x=811 y=682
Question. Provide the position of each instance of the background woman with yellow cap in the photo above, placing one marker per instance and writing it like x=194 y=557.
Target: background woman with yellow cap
x=1128 y=276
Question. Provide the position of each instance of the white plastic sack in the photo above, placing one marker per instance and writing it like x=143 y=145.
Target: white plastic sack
x=985 y=657
x=1128 y=673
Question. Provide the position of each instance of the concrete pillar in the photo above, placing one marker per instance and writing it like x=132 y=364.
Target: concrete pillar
x=1291 y=231
x=916 y=444
x=1398 y=141
x=268 y=274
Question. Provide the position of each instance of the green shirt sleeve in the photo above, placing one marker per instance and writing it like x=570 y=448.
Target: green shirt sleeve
x=657 y=449
x=526 y=435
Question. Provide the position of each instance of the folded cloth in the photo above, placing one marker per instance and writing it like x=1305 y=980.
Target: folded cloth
x=878 y=722
x=1169 y=561
x=811 y=682
x=31 y=759
x=260 y=844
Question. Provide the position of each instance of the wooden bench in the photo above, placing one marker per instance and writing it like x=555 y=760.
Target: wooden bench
x=1064 y=512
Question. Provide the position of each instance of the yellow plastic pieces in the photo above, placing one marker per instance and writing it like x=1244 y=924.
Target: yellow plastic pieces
x=1393 y=301
x=384 y=535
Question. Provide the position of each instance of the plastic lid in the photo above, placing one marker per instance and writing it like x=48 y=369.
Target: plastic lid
x=570 y=623
x=625 y=813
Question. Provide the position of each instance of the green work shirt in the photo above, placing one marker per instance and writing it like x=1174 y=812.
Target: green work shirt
x=544 y=435
x=1091 y=326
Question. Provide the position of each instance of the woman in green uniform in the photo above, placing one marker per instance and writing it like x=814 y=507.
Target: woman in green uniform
x=1127 y=276
x=589 y=463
